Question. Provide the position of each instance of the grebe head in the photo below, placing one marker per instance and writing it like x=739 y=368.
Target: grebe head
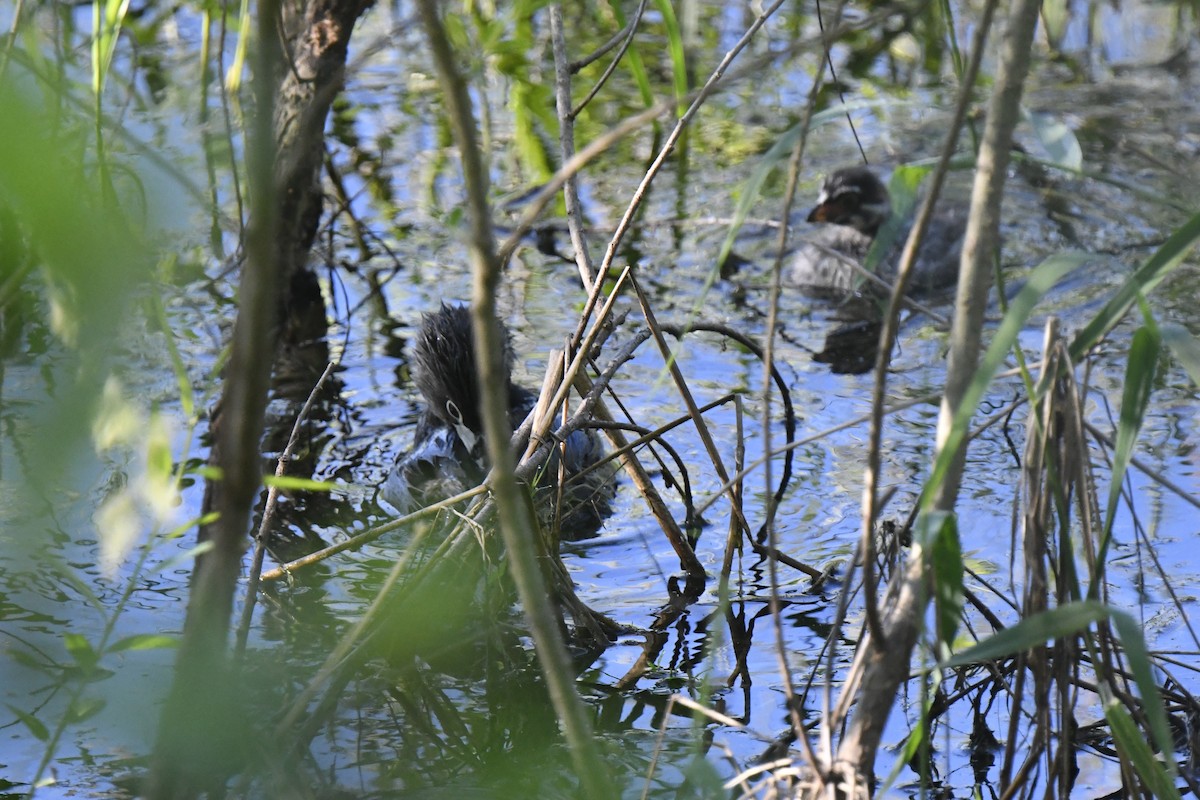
x=445 y=371
x=855 y=197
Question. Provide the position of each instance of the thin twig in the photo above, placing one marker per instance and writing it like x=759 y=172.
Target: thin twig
x=630 y=30
x=566 y=143
x=513 y=514
x=891 y=321
x=268 y=516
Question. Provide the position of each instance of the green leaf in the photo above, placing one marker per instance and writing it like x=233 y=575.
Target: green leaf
x=32 y=723
x=159 y=460
x=208 y=472
x=1139 y=382
x=917 y=737
x=1057 y=139
x=1043 y=277
x=703 y=778
x=1184 y=347
x=1142 y=282
x=675 y=47
x=1132 y=743
x=1056 y=14
x=302 y=484
x=902 y=187
x=187 y=555
x=69 y=576
x=106 y=31
x=1134 y=643
x=904 y=183
x=81 y=650
x=180 y=530
x=946 y=562
x=144 y=641
x=85 y=708
x=1033 y=631
x=1069 y=620
x=633 y=61
x=187 y=399
x=33 y=661
x=233 y=76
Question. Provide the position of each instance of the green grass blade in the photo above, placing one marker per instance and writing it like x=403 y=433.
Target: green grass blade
x=1056 y=15
x=187 y=399
x=81 y=650
x=106 y=30
x=1048 y=273
x=1141 y=282
x=1132 y=743
x=233 y=76
x=1056 y=623
x=917 y=737
x=144 y=641
x=1184 y=347
x=63 y=572
x=83 y=709
x=1139 y=382
x=32 y=723
x=296 y=483
x=192 y=553
x=902 y=186
x=675 y=50
x=633 y=59
x=942 y=543
x=1069 y=620
x=97 y=47
x=1138 y=659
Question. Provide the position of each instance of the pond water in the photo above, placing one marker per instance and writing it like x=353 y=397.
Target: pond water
x=459 y=725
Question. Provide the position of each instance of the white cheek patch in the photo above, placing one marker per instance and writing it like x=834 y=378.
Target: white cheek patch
x=468 y=436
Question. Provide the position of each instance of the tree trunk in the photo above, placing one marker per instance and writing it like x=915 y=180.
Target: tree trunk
x=203 y=734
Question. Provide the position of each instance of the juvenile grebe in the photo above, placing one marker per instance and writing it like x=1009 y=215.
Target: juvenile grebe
x=448 y=457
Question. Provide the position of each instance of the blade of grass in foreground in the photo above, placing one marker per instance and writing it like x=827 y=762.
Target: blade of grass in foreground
x=1141 y=282
x=1075 y=618
x=106 y=30
x=633 y=62
x=1134 y=642
x=1139 y=381
x=1048 y=273
x=1131 y=742
x=938 y=534
x=1184 y=347
x=675 y=48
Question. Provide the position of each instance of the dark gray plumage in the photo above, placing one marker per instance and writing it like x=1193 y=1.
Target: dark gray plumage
x=447 y=456
x=853 y=206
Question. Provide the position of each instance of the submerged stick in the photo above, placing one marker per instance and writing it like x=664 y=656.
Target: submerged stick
x=268 y=515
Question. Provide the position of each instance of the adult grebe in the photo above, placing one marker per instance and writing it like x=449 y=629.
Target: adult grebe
x=853 y=205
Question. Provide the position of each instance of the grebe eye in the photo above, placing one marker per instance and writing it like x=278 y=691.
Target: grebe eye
x=454 y=413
